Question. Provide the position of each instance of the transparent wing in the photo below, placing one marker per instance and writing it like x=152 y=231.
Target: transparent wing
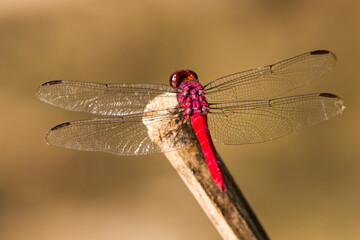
x=262 y=120
x=99 y=98
x=273 y=80
x=125 y=135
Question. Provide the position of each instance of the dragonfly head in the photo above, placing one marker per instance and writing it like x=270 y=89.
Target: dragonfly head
x=181 y=76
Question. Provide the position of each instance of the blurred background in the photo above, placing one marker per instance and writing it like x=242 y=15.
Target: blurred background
x=303 y=186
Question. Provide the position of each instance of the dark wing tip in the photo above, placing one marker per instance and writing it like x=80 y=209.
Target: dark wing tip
x=325 y=52
x=339 y=103
x=328 y=95
x=320 y=52
x=60 y=126
x=49 y=137
x=52 y=82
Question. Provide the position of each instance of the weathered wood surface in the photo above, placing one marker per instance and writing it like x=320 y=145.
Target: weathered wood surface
x=228 y=211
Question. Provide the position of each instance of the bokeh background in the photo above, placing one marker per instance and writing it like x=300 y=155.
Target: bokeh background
x=303 y=186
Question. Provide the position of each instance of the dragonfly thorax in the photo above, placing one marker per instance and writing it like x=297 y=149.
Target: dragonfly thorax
x=190 y=96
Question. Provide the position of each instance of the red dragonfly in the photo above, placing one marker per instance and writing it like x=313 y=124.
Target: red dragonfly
x=240 y=108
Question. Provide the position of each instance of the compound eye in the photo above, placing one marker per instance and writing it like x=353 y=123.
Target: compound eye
x=175 y=79
x=191 y=75
x=183 y=75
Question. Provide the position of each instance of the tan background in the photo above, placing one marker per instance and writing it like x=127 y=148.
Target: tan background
x=303 y=186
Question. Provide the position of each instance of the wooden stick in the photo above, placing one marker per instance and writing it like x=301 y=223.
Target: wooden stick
x=228 y=211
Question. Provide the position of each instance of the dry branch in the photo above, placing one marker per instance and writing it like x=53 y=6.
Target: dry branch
x=228 y=211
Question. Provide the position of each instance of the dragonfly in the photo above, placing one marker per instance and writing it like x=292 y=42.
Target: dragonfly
x=241 y=108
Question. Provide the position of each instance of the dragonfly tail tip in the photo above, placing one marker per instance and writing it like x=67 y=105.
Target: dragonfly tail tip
x=222 y=187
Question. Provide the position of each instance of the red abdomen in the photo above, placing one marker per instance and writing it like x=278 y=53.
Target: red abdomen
x=199 y=123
